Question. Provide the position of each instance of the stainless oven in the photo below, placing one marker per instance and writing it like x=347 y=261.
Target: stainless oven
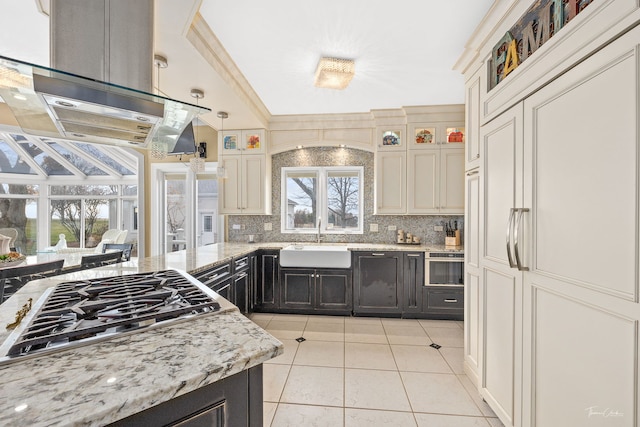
x=444 y=268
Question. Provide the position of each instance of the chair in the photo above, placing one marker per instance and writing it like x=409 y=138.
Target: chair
x=126 y=249
x=100 y=260
x=11 y=233
x=13 y=278
x=113 y=235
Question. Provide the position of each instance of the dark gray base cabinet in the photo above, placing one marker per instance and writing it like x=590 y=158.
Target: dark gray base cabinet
x=315 y=290
x=233 y=401
x=443 y=302
x=267 y=290
x=378 y=283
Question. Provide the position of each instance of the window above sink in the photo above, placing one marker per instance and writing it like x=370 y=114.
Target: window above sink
x=328 y=200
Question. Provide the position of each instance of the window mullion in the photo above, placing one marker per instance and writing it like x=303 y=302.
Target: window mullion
x=322 y=200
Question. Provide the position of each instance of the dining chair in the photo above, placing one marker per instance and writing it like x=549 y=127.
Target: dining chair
x=100 y=260
x=13 y=278
x=126 y=249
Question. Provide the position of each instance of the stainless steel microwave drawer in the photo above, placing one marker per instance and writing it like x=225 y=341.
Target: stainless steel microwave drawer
x=438 y=298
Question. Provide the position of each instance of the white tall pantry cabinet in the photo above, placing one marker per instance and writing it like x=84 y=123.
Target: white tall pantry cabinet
x=552 y=315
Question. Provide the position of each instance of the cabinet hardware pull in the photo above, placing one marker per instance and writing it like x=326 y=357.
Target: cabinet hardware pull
x=512 y=213
x=413 y=255
x=477 y=156
x=377 y=254
x=242 y=276
x=450 y=300
x=515 y=240
x=224 y=287
x=275 y=257
x=475 y=172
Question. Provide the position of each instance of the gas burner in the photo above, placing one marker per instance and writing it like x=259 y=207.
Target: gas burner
x=102 y=308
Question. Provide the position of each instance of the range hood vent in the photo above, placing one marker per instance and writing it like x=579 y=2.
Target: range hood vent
x=56 y=104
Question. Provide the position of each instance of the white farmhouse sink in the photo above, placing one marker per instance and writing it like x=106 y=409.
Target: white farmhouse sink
x=315 y=256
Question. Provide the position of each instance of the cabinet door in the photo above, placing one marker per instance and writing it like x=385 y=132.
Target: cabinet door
x=423 y=178
x=391 y=138
x=267 y=293
x=241 y=291
x=253 y=280
x=472 y=116
x=472 y=282
x=230 y=186
x=253 y=182
x=297 y=288
x=581 y=151
x=501 y=189
x=423 y=136
x=451 y=194
x=333 y=291
x=413 y=282
x=378 y=282
x=253 y=141
x=391 y=183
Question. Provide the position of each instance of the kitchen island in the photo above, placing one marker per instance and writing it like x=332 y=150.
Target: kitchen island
x=107 y=381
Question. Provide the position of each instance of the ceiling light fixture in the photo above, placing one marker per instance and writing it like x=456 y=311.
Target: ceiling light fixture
x=159 y=149
x=197 y=162
x=334 y=73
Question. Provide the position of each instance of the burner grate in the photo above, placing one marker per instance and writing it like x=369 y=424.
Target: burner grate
x=85 y=309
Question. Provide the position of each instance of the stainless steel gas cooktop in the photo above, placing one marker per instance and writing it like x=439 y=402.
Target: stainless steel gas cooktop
x=81 y=312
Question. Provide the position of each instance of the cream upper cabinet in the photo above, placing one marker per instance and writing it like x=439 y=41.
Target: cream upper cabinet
x=391 y=182
x=420 y=182
x=242 y=142
x=472 y=121
x=243 y=187
x=435 y=181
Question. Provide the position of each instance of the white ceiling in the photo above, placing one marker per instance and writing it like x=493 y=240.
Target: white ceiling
x=404 y=51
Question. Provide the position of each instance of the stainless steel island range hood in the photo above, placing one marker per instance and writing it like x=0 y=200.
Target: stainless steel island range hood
x=57 y=104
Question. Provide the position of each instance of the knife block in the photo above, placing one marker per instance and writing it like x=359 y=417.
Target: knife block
x=454 y=240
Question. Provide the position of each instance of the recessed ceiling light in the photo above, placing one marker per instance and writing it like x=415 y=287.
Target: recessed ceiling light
x=299 y=146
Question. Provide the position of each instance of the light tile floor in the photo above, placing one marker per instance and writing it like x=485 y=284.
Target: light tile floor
x=365 y=371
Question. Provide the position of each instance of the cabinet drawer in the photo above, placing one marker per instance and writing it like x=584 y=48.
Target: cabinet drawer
x=212 y=276
x=240 y=264
x=444 y=299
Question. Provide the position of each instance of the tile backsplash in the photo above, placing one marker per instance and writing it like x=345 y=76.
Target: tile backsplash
x=418 y=225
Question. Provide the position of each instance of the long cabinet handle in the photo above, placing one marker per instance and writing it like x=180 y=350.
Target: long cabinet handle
x=377 y=254
x=521 y=267
x=512 y=213
x=450 y=300
x=413 y=255
x=223 y=288
x=475 y=172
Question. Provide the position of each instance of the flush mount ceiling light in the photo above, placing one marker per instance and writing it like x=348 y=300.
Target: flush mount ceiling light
x=334 y=73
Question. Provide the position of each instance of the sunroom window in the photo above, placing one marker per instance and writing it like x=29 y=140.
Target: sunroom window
x=328 y=197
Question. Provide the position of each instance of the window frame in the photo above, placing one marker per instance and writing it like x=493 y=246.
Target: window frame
x=322 y=202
